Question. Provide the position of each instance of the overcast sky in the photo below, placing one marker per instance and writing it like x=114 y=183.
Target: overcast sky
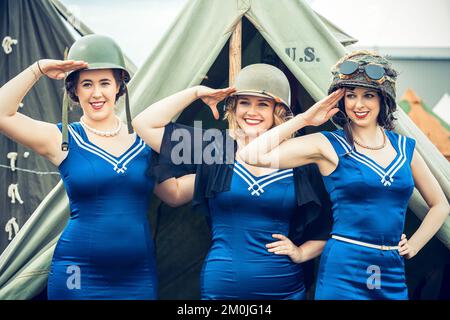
x=138 y=25
x=391 y=23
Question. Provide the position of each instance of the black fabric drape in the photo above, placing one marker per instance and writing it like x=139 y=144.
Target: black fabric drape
x=313 y=218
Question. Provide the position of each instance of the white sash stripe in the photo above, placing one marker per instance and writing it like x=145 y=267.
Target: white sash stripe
x=269 y=179
x=137 y=146
x=273 y=180
x=131 y=154
x=276 y=179
x=134 y=151
x=375 y=166
x=93 y=147
x=245 y=179
x=80 y=142
x=368 y=164
x=400 y=148
x=359 y=158
x=257 y=182
x=274 y=174
x=404 y=158
x=398 y=163
x=343 y=143
x=93 y=151
x=242 y=170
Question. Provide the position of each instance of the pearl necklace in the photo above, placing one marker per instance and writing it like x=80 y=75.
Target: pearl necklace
x=112 y=133
x=373 y=148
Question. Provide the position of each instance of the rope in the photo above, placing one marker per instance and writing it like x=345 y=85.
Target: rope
x=7 y=43
x=30 y=171
x=13 y=193
x=12 y=226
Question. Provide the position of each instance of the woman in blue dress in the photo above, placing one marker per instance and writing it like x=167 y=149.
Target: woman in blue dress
x=106 y=250
x=255 y=214
x=370 y=173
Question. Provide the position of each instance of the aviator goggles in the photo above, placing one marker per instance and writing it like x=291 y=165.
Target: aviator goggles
x=373 y=72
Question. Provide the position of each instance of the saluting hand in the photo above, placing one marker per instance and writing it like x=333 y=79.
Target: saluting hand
x=213 y=96
x=285 y=247
x=56 y=69
x=324 y=109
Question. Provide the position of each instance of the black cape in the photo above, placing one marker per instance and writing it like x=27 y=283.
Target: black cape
x=313 y=218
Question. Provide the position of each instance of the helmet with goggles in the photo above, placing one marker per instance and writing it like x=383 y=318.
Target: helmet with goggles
x=365 y=69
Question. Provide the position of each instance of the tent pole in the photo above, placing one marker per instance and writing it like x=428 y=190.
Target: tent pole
x=235 y=52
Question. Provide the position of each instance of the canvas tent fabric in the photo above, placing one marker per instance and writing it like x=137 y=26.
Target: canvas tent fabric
x=194 y=51
x=442 y=108
x=434 y=127
x=35 y=176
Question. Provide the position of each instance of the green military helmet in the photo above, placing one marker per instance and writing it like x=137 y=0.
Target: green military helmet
x=367 y=69
x=100 y=52
x=264 y=80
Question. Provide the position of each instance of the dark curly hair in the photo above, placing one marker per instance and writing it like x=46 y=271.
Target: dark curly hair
x=71 y=84
x=385 y=118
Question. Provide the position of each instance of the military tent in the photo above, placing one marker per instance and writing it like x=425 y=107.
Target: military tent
x=435 y=128
x=442 y=108
x=196 y=50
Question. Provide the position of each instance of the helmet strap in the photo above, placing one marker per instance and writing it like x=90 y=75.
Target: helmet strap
x=127 y=110
x=65 y=117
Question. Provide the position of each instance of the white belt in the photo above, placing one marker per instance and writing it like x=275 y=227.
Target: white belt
x=364 y=244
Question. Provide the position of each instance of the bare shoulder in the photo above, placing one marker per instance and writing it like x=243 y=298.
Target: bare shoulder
x=324 y=148
x=310 y=148
x=42 y=137
x=328 y=160
x=314 y=139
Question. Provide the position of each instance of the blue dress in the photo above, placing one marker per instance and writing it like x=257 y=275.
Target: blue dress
x=369 y=205
x=106 y=250
x=243 y=219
